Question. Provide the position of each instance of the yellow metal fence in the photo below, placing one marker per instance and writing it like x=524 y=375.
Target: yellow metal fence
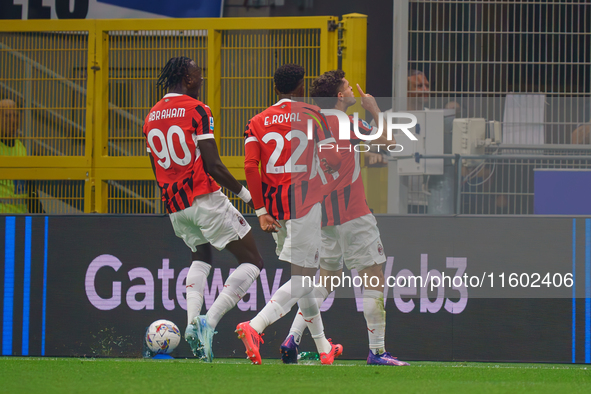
x=83 y=88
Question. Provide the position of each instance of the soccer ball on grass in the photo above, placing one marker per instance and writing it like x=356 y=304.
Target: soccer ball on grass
x=162 y=337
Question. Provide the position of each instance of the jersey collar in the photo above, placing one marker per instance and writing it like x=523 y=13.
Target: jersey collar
x=285 y=100
x=172 y=95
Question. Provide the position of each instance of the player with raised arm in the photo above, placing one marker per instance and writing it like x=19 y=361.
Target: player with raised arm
x=186 y=164
x=349 y=230
x=287 y=196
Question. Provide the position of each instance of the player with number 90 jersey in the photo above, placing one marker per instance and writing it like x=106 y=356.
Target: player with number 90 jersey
x=291 y=174
x=173 y=128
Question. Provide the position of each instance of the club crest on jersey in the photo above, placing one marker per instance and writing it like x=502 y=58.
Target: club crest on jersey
x=211 y=123
x=365 y=124
x=380 y=249
x=241 y=220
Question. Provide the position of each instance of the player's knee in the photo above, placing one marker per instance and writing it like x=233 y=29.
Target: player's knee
x=302 y=286
x=252 y=257
x=258 y=261
x=203 y=253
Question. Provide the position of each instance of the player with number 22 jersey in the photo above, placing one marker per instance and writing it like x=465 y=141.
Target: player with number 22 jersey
x=292 y=176
x=287 y=195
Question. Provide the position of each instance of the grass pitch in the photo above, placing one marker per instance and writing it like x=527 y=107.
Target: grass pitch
x=70 y=375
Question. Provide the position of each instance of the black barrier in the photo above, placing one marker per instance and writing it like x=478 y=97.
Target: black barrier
x=90 y=285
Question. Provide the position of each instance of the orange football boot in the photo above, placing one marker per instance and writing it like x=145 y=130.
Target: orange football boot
x=252 y=341
x=335 y=351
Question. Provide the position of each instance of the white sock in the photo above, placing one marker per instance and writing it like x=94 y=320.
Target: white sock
x=299 y=324
x=235 y=287
x=196 y=279
x=280 y=304
x=375 y=316
x=311 y=315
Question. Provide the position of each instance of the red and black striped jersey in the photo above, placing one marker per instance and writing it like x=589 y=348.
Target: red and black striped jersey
x=173 y=129
x=291 y=175
x=346 y=201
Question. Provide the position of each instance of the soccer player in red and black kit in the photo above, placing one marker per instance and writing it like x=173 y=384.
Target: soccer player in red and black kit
x=287 y=196
x=185 y=160
x=349 y=230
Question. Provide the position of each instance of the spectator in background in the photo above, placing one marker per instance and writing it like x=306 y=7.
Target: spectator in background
x=12 y=193
x=419 y=94
x=10 y=145
x=418 y=98
x=417 y=91
x=15 y=196
x=581 y=135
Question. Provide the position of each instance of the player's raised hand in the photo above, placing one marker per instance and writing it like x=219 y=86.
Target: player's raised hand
x=269 y=224
x=368 y=102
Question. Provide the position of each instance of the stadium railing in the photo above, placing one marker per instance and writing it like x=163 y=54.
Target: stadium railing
x=83 y=88
x=501 y=182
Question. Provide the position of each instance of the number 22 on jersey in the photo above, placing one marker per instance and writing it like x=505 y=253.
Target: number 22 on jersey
x=290 y=164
